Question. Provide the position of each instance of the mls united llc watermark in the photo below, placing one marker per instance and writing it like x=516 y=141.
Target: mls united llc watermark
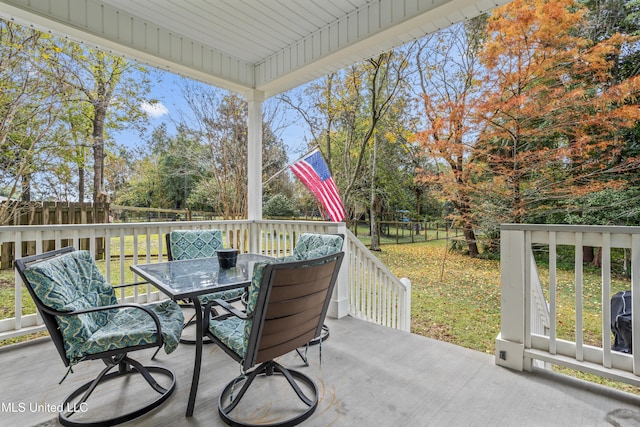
x=33 y=407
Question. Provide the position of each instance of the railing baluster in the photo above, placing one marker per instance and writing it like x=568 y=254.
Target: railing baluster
x=121 y=255
x=17 y=294
x=579 y=299
x=606 y=295
x=528 y=256
x=92 y=242
x=136 y=237
x=107 y=253
x=553 y=319
x=635 y=300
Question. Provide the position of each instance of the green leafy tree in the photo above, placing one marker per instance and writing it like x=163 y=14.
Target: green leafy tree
x=274 y=161
x=180 y=166
x=144 y=185
x=279 y=206
x=220 y=125
x=108 y=93
x=344 y=113
x=29 y=109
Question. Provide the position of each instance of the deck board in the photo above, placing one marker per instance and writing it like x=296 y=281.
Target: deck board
x=369 y=376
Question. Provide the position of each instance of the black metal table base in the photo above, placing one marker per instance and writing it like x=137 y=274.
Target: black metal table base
x=189 y=341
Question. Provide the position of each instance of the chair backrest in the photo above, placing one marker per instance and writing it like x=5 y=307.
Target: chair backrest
x=289 y=304
x=67 y=280
x=190 y=244
x=312 y=245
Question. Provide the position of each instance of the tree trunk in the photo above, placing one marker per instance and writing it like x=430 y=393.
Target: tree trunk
x=470 y=238
x=597 y=259
x=463 y=205
x=418 y=193
x=26 y=187
x=98 y=151
x=587 y=254
x=81 y=184
x=375 y=232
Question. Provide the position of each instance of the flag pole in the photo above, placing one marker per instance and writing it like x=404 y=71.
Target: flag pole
x=290 y=163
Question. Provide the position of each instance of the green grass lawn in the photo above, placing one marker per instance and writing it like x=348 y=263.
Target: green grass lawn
x=454 y=298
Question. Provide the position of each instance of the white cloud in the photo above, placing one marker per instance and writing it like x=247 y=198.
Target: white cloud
x=154 y=110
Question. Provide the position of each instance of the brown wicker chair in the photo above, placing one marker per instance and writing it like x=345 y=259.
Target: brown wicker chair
x=287 y=304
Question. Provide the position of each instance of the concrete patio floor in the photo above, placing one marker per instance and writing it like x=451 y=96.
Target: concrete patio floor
x=369 y=376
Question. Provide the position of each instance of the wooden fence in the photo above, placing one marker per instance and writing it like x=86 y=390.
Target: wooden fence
x=50 y=213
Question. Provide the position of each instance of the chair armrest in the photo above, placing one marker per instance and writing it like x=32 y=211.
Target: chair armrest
x=127 y=285
x=150 y=312
x=225 y=306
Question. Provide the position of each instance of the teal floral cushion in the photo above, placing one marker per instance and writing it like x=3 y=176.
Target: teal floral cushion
x=72 y=282
x=190 y=244
x=254 y=287
x=232 y=332
x=231 y=294
x=131 y=326
x=310 y=245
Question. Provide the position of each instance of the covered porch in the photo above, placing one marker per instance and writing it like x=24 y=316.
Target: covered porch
x=373 y=372
x=369 y=375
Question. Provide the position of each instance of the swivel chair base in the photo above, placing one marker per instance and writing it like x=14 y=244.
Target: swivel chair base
x=268 y=369
x=126 y=366
x=324 y=335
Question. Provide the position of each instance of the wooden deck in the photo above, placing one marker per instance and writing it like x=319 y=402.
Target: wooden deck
x=369 y=376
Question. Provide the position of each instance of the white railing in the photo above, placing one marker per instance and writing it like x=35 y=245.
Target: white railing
x=375 y=294
x=132 y=243
x=530 y=316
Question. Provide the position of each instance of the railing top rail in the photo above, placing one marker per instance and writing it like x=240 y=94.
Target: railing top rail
x=572 y=228
x=297 y=222
x=352 y=239
x=173 y=224
x=125 y=225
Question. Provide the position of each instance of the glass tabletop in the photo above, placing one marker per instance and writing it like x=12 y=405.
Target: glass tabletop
x=190 y=278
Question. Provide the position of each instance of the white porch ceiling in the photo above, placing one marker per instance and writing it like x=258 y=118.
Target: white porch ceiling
x=244 y=45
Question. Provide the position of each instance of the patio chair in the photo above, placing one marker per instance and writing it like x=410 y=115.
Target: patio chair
x=191 y=244
x=313 y=245
x=287 y=304
x=86 y=322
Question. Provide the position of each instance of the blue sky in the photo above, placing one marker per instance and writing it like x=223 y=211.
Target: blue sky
x=171 y=106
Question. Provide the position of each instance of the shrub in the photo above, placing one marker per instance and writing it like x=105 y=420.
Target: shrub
x=279 y=206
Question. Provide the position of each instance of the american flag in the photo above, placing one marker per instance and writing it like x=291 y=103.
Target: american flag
x=315 y=175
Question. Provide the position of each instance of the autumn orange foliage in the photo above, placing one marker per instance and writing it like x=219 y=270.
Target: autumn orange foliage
x=539 y=122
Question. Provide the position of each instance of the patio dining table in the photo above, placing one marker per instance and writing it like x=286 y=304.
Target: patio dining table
x=188 y=279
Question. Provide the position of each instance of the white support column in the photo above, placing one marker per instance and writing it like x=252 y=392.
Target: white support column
x=254 y=162
x=339 y=305
x=510 y=342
